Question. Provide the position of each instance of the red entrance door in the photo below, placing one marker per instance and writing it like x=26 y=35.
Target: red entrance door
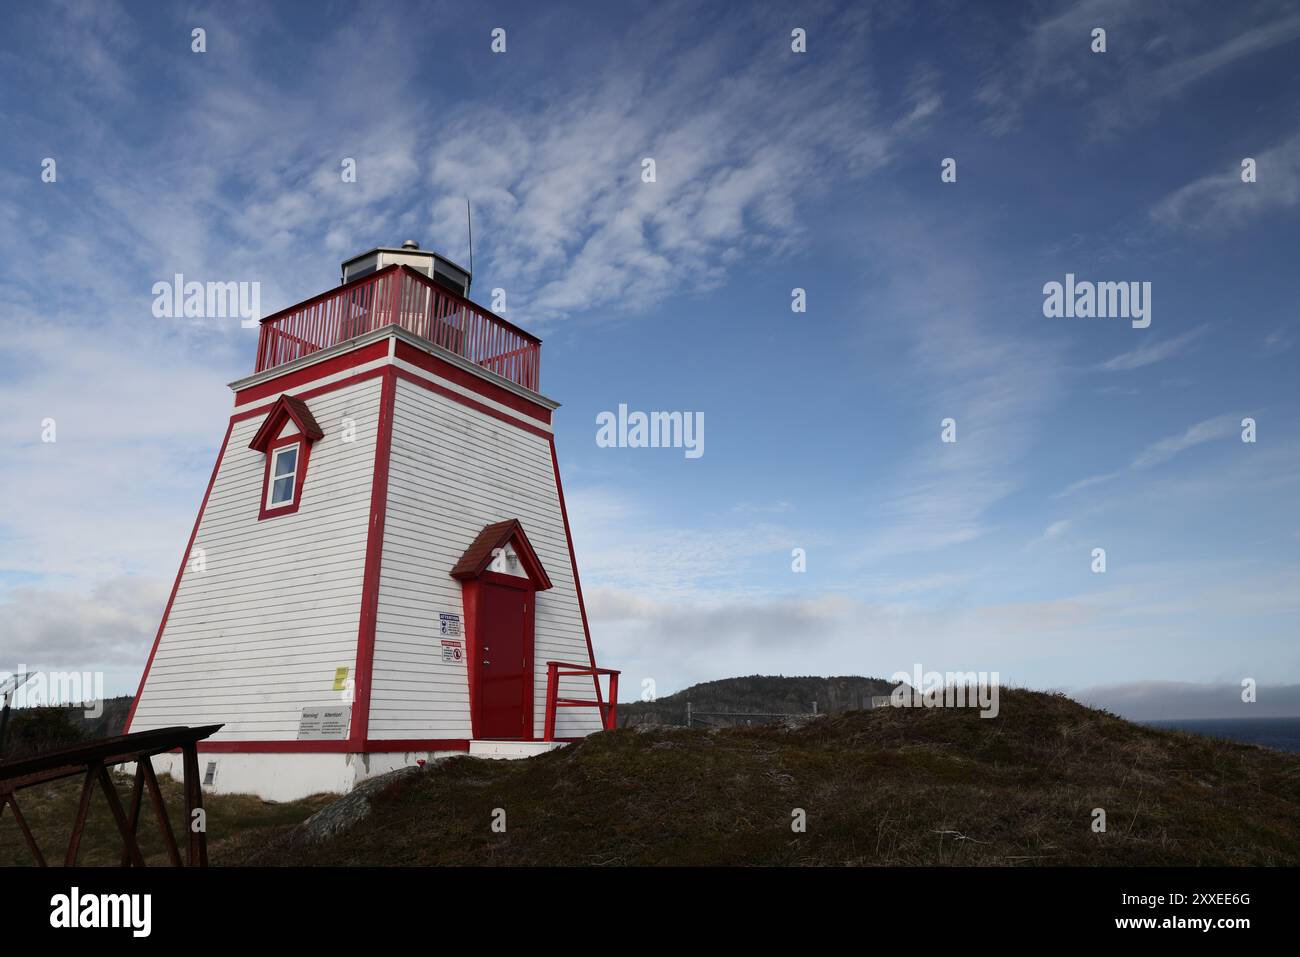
x=504 y=678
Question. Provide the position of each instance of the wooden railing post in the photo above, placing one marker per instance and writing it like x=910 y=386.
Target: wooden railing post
x=79 y=823
x=394 y=308
x=133 y=816
x=196 y=824
x=552 y=681
x=160 y=810
x=611 y=720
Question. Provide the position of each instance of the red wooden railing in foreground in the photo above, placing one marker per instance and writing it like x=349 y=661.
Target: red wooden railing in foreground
x=555 y=670
x=399 y=295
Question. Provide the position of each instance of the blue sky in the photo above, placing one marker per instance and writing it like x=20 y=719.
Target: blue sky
x=775 y=170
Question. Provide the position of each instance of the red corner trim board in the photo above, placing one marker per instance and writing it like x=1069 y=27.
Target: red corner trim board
x=374 y=560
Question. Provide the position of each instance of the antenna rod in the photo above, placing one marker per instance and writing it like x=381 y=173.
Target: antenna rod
x=469 y=222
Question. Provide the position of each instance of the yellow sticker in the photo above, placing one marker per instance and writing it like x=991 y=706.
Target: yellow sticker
x=340 y=679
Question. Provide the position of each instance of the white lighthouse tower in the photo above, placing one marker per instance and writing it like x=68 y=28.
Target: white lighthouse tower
x=381 y=569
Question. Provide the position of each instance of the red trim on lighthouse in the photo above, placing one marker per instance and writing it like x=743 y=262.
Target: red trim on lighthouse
x=317 y=370
x=477 y=406
x=374 y=557
x=346 y=746
x=440 y=367
x=410 y=354
x=409 y=377
x=319 y=390
x=185 y=558
x=577 y=582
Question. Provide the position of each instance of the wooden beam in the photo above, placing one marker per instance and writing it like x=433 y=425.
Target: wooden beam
x=83 y=805
x=115 y=805
x=22 y=824
x=160 y=811
x=133 y=817
x=198 y=856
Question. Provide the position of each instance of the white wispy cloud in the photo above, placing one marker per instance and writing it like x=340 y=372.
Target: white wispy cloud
x=62 y=630
x=625 y=546
x=1152 y=352
x=1162 y=54
x=1054 y=530
x=924 y=99
x=1158 y=453
x=1208 y=430
x=755 y=508
x=1279 y=340
x=1170 y=79
x=1039 y=60
x=563 y=216
x=960 y=364
x=1221 y=200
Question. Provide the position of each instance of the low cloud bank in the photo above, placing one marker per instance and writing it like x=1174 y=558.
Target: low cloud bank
x=1172 y=700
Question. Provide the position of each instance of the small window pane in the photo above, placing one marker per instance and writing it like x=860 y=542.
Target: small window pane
x=285 y=461
x=282 y=491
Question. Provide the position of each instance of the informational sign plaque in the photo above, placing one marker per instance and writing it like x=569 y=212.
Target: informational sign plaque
x=324 y=724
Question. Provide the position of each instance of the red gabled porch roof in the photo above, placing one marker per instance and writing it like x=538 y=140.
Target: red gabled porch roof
x=480 y=552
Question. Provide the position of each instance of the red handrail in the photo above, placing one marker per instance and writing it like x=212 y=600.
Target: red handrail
x=608 y=710
x=399 y=295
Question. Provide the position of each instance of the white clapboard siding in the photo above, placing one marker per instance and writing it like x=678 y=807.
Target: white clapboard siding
x=452 y=471
x=258 y=635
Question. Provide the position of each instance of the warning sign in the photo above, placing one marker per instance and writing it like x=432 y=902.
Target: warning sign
x=452 y=651
x=449 y=625
x=318 y=724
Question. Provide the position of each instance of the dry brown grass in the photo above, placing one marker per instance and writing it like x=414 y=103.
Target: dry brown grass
x=883 y=787
x=236 y=823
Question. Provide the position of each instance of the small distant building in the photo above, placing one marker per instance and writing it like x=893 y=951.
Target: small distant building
x=381 y=567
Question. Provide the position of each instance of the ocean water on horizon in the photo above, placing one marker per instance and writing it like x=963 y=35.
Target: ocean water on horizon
x=1283 y=734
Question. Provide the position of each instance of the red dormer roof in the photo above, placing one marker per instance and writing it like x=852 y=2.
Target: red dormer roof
x=479 y=554
x=286 y=407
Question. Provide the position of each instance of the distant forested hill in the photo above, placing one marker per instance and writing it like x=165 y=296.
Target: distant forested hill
x=36 y=729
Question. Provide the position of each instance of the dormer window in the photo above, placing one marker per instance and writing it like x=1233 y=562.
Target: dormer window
x=285 y=438
x=284 y=470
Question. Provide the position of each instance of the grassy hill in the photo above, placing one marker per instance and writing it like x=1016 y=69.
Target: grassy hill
x=768 y=694
x=882 y=787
